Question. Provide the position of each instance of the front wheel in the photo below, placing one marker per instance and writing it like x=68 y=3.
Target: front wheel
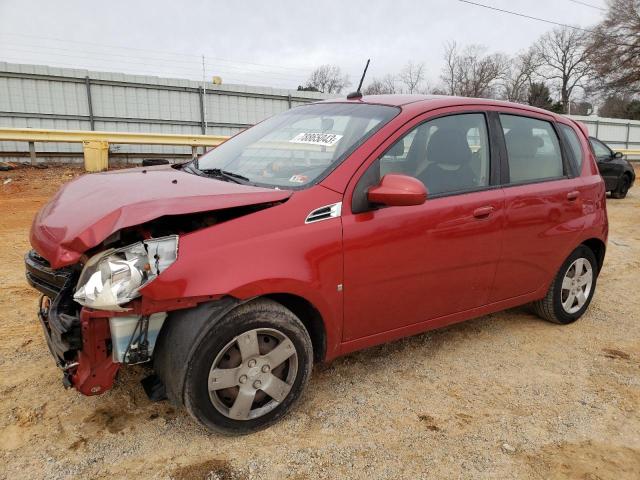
x=248 y=368
x=572 y=289
x=623 y=187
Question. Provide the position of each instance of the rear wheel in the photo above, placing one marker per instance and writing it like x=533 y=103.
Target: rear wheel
x=248 y=368
x=572 y=289
x=623 y=187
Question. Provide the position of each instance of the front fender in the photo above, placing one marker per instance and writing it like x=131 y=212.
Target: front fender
x=268 y=252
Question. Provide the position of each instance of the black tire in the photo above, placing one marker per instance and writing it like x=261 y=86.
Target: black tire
x=216 y=337
x=623 y=187
x=550 y=307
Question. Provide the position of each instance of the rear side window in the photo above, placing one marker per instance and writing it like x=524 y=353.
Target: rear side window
x=574 y=144
x=533 y=149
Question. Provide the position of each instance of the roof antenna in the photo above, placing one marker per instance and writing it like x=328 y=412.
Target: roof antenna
x=357 y=93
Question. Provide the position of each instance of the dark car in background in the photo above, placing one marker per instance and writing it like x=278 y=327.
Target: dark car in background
x=617 y=172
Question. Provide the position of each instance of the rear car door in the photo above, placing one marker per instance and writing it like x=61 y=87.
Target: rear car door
x=406 y=265
x=543 y=205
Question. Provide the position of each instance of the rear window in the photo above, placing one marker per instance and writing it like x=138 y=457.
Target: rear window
x=533 y=149
x=574 y=145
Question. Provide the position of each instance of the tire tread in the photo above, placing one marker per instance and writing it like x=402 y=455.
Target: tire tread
x=620 y=193
x=269 y=310
x=544 y=307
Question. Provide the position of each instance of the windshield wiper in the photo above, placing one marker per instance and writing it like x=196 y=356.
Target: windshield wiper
x=225 y=174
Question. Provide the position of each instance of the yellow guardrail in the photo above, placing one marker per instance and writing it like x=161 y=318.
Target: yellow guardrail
x=96 y=144
x=626 y=151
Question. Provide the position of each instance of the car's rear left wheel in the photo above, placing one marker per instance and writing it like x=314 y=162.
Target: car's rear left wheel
x=572 y=289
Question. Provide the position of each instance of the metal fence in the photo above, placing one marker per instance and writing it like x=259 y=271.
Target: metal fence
x=615 y=132
x=36 y=96
x=42 y=97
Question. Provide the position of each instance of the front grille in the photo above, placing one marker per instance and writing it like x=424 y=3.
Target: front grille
x=60 y=322
x=45 y=279
x=59 y=314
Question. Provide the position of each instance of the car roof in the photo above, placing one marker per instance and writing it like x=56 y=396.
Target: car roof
x=437 y=101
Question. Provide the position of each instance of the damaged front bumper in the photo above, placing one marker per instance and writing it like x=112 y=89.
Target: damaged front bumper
x=79 y=338
x=90 y=345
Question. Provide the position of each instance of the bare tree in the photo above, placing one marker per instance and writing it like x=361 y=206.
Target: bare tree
x=412 y=76
x=383 y=86
x=328 y=79
x=450 y=71
x=374 y=88
x=519 y=76
x=389 y=82
x=564 y=59
x=615 y=48
x=471 y=72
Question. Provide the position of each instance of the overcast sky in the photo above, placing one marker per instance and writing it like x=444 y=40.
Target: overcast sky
x=275 y=43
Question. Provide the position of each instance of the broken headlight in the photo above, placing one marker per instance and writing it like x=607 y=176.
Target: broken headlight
x=115 y=277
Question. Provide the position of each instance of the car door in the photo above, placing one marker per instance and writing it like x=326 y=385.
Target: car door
x=410 y=264
x=608 y=169
x=543 y=205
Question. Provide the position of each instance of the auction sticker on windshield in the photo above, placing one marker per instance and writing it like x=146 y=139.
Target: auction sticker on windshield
x=299 y=179
x=323 y=139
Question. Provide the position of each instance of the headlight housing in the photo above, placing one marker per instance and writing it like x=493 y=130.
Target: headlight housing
x=115 y=277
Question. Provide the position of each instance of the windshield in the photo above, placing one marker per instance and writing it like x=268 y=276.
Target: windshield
x=296 y=147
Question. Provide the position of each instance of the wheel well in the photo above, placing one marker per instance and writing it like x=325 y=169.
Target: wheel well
x=598 y=248
x=310 y=318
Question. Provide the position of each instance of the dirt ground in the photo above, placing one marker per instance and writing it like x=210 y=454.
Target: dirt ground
x=503 y=396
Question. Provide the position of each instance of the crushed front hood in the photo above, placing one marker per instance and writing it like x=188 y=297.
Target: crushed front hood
x=87 y=210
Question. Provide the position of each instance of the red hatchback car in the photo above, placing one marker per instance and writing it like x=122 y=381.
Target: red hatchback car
x=326 y=229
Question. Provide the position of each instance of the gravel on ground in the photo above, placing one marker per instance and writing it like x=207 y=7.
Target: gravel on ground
x=502 y=396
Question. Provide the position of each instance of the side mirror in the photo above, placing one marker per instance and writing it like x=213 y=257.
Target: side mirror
x=396 y=190
x=617 y=155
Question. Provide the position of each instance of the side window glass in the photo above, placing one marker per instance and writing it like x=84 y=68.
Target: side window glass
x=456 y=157
x=533 y=149
x=600 y=150
x=448 y=154
x=395 y=159
x=574 y=144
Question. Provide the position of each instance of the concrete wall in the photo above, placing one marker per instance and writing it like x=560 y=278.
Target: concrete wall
x=39 y=96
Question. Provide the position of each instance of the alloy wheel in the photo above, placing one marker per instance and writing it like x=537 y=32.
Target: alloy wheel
x=576 y=285
x=253 y=374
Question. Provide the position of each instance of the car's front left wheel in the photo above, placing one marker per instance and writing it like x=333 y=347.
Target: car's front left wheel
x=248 y=368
